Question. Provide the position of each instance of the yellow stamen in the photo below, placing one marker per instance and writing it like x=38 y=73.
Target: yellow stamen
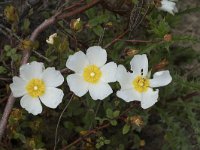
x=92 y=74
x=35 y=88
x=140 y=84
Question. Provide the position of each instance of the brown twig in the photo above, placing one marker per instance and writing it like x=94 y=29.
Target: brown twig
x=77 y=11
x=86 y=135
x=57 y=126
x=73 y=6
x=26 y=54
x=137 y=41
x=116 y=39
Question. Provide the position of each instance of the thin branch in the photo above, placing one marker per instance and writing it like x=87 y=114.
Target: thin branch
x=6 y=113
x=77 y=11
x=89 y=133
x=42 y=56
x=137 y=41
x=56 y=132
x=116 y=39
x=26 y=54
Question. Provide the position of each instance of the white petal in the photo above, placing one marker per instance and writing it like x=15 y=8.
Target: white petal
x=123 y=77
x=31 y=70
x=51 y=38
x=129 y=95
x=149 y=98
x=32 y=105
x=168 y=6
x=18 y=87
x=100 y=90
x=77 y=84
x=52 y=97
x=109 y=72
x=77 y=62
x=52 y=77
x=96 y=55
x=160 y=78
x=139 y=64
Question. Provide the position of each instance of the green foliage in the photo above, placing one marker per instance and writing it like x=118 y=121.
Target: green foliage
x=126 y=129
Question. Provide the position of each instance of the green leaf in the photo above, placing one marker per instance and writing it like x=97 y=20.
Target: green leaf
x=69 y=125
x=98 y=145
x=26 y=24
x=98 y=30
x=99 y=20
x=109 y=113
x=126 y=129
x=2 y=70
x=101 y=120
x=107 y=141
x=7 y=47
x=113 y=122
x=116 y=113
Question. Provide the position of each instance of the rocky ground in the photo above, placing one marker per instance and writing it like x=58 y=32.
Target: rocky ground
x=190 y=25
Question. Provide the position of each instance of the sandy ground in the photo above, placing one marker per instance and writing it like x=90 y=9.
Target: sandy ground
x=190 y=25
x=190 y=22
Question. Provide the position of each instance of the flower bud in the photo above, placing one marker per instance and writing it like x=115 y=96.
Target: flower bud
x=16 y=114
x=76 y=25
x=84 y=132
x=26 y=44
x=136 y=120
x=142 y=143
x=131 y=52
x=167 y=37
x=11 y=14
x=51 y=38
x=108 y=25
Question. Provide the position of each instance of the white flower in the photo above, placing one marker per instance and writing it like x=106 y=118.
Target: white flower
x=91 y=73
x=169 y=6
x=37 y=84
x=137 y=86
x=51 y=38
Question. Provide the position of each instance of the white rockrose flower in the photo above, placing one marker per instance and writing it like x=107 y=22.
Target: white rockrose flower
x=168 y=6
x=37 y=84
x=136 y=86
x=51 y=38
x=91 y=73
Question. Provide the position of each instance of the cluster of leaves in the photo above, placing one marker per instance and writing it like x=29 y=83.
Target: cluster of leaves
x=173 y=123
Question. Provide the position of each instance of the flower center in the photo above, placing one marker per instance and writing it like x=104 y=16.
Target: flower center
x=35 y=87
x=140 y=84
x=92 y=74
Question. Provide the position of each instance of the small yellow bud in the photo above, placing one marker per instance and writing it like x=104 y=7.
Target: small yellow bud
x=11 y=14
x=109 y=25
x=26 y=44
x=31 y=143
x=137 y=120
x=51 y=38
x=167 y=37
x=84 y=132
x=142 y=143
x=131 y=52
x=16 y=114
x=76 y=25
x=88 y=144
